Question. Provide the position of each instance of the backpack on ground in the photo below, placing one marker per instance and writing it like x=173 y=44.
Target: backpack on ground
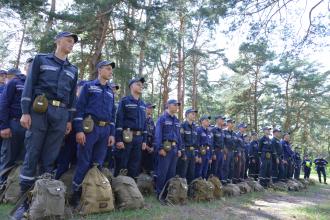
x=145 y=184
x=48 y=199
x=218 y=193
x=175 y=191
x=12 y=190
x=96 y=196
x=244 y=187
x=201 y=190
x=127 y=194
x=231 y=190
x=67 y=178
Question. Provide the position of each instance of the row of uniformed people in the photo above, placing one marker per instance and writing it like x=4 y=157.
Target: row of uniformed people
x=48 y=104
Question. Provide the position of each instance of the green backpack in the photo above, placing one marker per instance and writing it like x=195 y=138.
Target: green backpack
x=175 y=191
x=48 y=199
x=218 y=193
x=12 y=188
x=145 y=184
x=201 y=190
x=96 y=196
x=127 y=194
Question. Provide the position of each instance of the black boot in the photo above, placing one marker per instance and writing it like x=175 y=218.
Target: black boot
x=75 y=198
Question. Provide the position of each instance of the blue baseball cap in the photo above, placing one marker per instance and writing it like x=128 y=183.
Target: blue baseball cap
x=276 y=130
x=66 y=34
x=266 y=128
x=242 y=125
x=14 y=71
x=190 y=111
x=149 y=105
x=29 y=60
x=173 y=102
x=204 y=117
x=220 y=117
x=141 y=79
x=229 y=120
x=105 y=63
x=114 y=85
x=3 y=72
x=253 y=133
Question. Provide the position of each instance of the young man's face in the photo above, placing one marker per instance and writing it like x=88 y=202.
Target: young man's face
x=220 y=122
x=277 y=134
x=230 y=125
x=267 y=132
x=173 y=108
x=254 y=137
x=105 y=72
x=191 y=116
x=286 y=137
x=137 y=87
x=2 y=78
x=65 y=44
x=205 y=123
x=149 y=111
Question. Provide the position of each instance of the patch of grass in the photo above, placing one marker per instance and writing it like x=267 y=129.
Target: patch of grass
x=4 y=210
x=318 y=211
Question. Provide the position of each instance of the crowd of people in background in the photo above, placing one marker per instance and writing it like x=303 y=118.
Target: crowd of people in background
x=51 y=122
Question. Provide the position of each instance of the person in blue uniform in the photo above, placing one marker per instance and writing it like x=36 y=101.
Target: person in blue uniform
x=246 y=154
x=131 y=123
x=266 y=152
x=239 y=154
x=110 y=159
x=205 y=147
x=12 y=132
x=147 y=162
x=3 y=74
x=168 y=144
x=287 y=156
x=186 y=163
x=227 y=163
x=254 y=162
x=68 y=153
x=51 y=76
x=320 y=164
x=96 y=101
x=297 y=162
x=307 y=165
x=277 y=159
x=218 y=143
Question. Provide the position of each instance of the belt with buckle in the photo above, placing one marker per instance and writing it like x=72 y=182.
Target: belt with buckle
x=57 y=103
x=102 y=123
x=173 y=143
x=191 y=148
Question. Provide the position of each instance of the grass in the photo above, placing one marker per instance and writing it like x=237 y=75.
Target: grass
x=318 y=211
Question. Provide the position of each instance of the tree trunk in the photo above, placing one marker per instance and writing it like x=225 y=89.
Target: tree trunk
x=20 y=46
x=255 y=100
x=50 y=20
x=180 y=66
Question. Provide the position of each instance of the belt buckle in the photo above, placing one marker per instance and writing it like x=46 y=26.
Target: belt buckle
x=138 y=133
x=56 y=103
x=191 y=148
x=173 y=143
x=102 y=123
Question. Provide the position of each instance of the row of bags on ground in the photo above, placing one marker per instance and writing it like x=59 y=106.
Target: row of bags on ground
x=101 y=192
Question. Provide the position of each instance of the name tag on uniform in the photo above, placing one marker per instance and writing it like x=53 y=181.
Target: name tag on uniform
x=131 y=105
x=187 y=132
x=48 y=67
x=266 y=142
x=203 y=134
x=168 y=123
x=69 y=74
x=94 y=89
x=228 y=136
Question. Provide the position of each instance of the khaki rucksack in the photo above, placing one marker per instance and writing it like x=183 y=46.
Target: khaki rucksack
x=231 y=190
x=96 y=193
x=12 y=189
x=48 y=199
x=244 y=187
x=175 y=191
x=145 y=184
x=201 y=190
x=127 y=194
x=218 y=193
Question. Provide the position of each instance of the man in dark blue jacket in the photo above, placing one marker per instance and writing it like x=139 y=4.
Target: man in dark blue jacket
x=12 y=132
x=96 y=102
x=168 y=144
x=287 y=156
x=186 y=163
x=254 y=162
x=321 y=164
x=131 y=129
x=47 y=102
